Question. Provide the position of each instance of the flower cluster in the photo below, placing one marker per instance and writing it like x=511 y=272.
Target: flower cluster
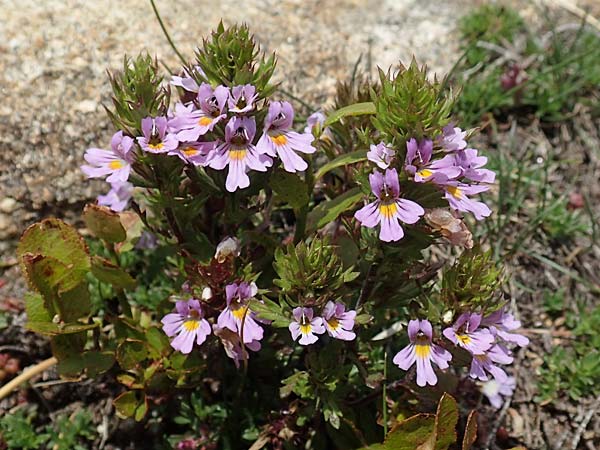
x=484 y=337
x=239 y=327
x=459 y=173
x=190 y=131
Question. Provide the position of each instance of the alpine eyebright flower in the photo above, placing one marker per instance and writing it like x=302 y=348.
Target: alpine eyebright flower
x=472 y=166
x=339 y=322
x=453 y=138
x=196 y=153
x=453 y=229
x=186 y=81
x=233 y=345
x=494 y=390
x=237 y=316
x=228 y=248
x=465 y=334
x=422 y=351
x=419 y=164
x=381 y=155
x=481 y=364
x=239 y=154
x=156 y=139
x=306 y=326
x=241 y=99
x=118 y=197
x=457 y=195
x=116 y=162
x=195 y=123
x=316 y=118
x=279 y=139
x=188 y=324
x=501 y=324
x=389 y=209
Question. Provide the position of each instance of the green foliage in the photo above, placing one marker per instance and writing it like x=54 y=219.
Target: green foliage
x=137 y=93
x=429 y=431
x=231 y=57
x=104 y=223
x=556 y=72
x=65 y=433
x=409 y=105
x=574 y=369
x=471 y=282
x=71 y=432
x=311 y=274
x=18 y=433
x=491 y=23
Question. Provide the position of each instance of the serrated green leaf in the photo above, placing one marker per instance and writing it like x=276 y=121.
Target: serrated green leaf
x=411 y=433
x=53 y=329
x=35 y=309
x=290 y=188
x=358 y=109
x=130 y=353
x=446 y=419
x=54 y=238
x=329 y=210
x=126 y=404
x=343 y=160
x=110 y=273
x=269 y=310
x=104 y=223
x=470 y=431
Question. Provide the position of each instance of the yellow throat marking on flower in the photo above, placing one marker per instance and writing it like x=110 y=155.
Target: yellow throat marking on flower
x=190 y=151
x=422 y=350
x=305 y=328
x=388 y=210
x=118 y=164
x=240 y=312
x=333 y=323
x=238 y=154
x=279 y=139
x=424 y=173
x=464 y=339
x=455 y=192
x=191 y=325
x=204 y=121
x=158 y=146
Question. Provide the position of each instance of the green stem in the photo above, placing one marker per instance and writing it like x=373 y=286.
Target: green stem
x=384 y=394
x=302 y=213
x=166 y=33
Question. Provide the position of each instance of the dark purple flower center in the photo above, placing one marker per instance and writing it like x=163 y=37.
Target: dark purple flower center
x=240 y=136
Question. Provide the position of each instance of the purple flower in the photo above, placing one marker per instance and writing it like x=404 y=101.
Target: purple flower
x=188 y=324
x=239 y=154
x=242 y=98
x=118 y=196
x=156 y=139
x=237 y=316
x=486 y=363
x=501 y=323
x=381 y=155
x=115 y=162
x=338 y=321
x=422 y=351
x=316 y=118
x=191 y=124
x=306 y=326
x=389 y=209
x=471 y=165
x=457 y=195
x=465 y=334
x=196 y=153
x=186 y=81
x=453 y=138
x=278 y=139
x=494 y=390
x=420 y=166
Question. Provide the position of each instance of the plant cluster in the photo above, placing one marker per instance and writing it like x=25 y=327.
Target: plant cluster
x=268 y=270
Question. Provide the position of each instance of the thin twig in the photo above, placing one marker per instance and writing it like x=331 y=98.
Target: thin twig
x=584 y=423
x=26 y=376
